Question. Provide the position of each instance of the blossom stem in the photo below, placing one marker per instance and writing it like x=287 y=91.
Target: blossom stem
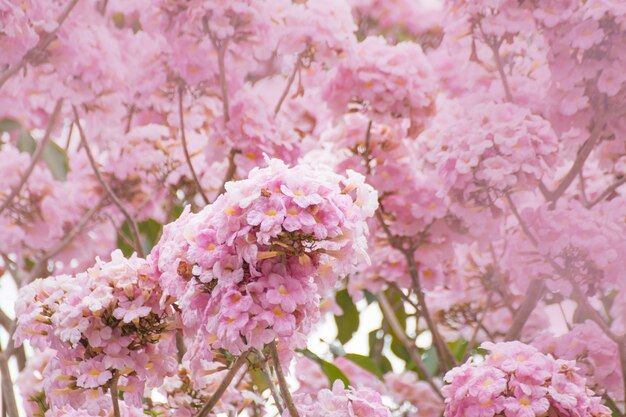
x=270 y=382
x=583 y=154
x=230 y=172
x=408 y=344
x=114 y=395
x=183 y=139
x=131 y=221
x=445 y=355
x=36 y=157
x=607 y=192
x=292 y=77
x=505 y=82
x=241 y=360
x=7 y=387
x=282 y=381
x=534 y=294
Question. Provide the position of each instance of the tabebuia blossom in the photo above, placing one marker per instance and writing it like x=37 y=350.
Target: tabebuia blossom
x=341 y=402
x=516 y=380
x=109 y=325
x=489 y=149
x=385 y=82
x=597 y=356
x=577 y=250
x=250 y=268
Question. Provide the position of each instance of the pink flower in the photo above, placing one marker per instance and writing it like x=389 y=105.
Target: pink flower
x=92 y=374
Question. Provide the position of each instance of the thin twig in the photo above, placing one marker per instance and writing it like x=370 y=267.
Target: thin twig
x=241 y=360
x=445 y=354
x=505 y=83
x=583 y=154
x=114 y=395
x=409 y=345
x=41 y=45
x=533 y=295
x=270 y=382
x=131 y=221
x=282 y=381
x=7 y=386
x=230 y=171
x=36 y=157
x=607 y=192
x=183 y=138
x=472 y=341
x=292 y=77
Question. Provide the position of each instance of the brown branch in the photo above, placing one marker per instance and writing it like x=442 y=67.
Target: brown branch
x=270 y=382
x=292 y=77
x=408 y=344
x=8 y=394
x=36 y=157
x=282 y=381
x=131 y=221
x=241 y=360
x=534 y=294
x=607 y=192
x=443 y=350
x=41 y=45
x=495 y=48
x=230 y=172
x=581 y=158
x=183 y=138
x=114 y=395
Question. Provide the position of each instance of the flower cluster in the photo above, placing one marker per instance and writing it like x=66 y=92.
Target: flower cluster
x=107 y=325
x=489 y=149
x=576 y=249
x=516 y=380
x=250 y=267
x=597 y=356
x=385 y=81
x=341 y=402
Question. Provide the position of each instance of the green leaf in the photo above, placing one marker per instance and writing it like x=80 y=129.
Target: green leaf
x=57 y=161
x=330 y=370
x=458 y=348
x=369 y=297
x=348 y=322
x=150 y=232
x=366 y=363
x=53 y=155
x=26 y=143
x=8 y=125
x=430 y=360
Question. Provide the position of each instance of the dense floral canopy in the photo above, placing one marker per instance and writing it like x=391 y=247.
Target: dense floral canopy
x=190 y=188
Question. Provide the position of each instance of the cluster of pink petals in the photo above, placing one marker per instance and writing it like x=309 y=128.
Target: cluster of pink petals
x=405 y=387
x=488 y=149
x=341 y=402
x=576 y=248
x=597 y=356
x=109 y=322
x=386 y=82
x=516 y=380
x=250 y=267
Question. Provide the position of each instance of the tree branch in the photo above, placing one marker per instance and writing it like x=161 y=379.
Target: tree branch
x=270 y=382
x=183 y=138
x=114 y=395
x=241 y=360
x=36 y=157
x=282 y=381
x=292 y=77
x=408 y=344
x=7 y=386
x=131 y=221
x=534 y=294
